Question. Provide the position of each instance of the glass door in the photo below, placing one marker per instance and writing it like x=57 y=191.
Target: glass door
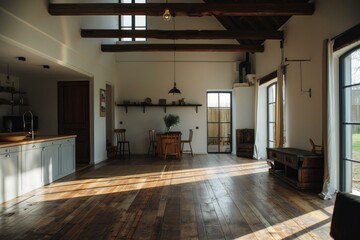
x=219 y=122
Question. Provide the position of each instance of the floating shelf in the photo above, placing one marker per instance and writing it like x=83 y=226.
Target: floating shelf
x=144 y=106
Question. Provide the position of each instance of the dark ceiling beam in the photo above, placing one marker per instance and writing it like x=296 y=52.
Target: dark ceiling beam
x=181 y=34
x=179 y=48
x=184 y=9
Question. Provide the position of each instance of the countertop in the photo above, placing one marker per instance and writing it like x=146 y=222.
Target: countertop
x=37 y=139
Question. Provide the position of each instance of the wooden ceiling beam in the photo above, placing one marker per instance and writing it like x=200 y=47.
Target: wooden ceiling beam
x=181 y=34
x=179 y=48
x=184 y=9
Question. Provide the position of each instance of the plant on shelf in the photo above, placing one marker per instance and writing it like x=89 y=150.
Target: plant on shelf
x=170 y=121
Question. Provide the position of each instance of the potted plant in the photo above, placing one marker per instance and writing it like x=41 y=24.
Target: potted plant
x=170 y=121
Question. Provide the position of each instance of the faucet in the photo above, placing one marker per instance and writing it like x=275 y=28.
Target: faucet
x=32 y=123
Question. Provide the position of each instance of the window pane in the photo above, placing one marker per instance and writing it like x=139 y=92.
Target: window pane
x=351 y=69
x=224 y=99
x=140 y=1
x=272 y=93
x=126 y=22
x=225 y=130
x=125 y=1
x=272 y=112
x=126 y=39
x=140 y=21
x=212 y=100
x=213 y=114
x=352 y=142
x=352 y=104
x=213 y=130
x=225 y=115
x=271 y=136
x=140 y=39
x=355 y=177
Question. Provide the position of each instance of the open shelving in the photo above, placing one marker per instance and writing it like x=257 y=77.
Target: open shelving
x=144 y=106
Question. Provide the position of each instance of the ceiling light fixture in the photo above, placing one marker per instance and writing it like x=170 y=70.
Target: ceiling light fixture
x=46 y=66
x=174 y=90
x=23 y=59
x=167 y=14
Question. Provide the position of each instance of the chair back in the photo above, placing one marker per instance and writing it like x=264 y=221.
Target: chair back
x=120 y=134
x=190 y=135
x=152 y=135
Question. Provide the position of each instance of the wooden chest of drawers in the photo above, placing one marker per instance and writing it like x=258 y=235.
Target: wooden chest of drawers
x=300 y=168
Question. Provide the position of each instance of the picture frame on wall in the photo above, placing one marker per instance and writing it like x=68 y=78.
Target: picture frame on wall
x=102 y=103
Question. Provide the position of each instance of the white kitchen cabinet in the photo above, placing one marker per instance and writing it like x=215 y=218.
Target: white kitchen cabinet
x=28 y=166
x=51 y=162
x=9 y=173
x=67 y=153
x=31 y=167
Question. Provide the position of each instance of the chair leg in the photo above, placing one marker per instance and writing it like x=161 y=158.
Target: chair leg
x=191 y=149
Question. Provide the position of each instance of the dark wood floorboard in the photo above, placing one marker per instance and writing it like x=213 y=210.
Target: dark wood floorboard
x=215 y=196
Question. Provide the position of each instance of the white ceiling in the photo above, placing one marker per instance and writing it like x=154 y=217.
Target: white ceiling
x=33 y=68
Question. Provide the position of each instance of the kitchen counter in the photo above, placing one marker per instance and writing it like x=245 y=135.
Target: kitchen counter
x=37 y=139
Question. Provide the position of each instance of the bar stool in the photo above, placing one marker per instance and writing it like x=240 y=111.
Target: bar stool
x=122 y=145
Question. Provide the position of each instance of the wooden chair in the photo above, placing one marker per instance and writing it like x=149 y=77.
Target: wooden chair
x=316 y=149
x=188 y=141
x=152 y=142
x=172 y=146
x=122 y=145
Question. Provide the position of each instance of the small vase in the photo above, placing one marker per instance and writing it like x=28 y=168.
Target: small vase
x=168 y=129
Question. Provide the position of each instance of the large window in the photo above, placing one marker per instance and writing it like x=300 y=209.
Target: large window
x=271 y=113
x=219 y=122
x=350 y=121
x=135 y=22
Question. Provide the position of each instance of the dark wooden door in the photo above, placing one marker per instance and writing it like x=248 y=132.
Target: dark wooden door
x=73 y=116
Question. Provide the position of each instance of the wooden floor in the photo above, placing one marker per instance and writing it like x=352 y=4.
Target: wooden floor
x=217 y=196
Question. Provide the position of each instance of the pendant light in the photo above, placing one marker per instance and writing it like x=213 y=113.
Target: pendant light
x=167 y=14
x=174 y=90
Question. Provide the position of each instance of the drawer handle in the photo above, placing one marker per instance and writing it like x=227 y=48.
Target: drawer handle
x=7 y=155
x=7 y=150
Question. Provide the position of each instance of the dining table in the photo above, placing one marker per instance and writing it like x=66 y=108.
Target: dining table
x=161 y=140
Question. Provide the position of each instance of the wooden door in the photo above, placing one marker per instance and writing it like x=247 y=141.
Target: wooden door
x=73 y=116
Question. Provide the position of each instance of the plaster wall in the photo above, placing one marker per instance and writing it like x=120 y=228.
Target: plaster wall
x=304 y=36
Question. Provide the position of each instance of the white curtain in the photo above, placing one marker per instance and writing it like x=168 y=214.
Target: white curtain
x=257 y=123
x=330 y=139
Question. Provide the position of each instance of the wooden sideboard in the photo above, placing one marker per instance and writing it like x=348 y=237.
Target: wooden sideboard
x=300 y=168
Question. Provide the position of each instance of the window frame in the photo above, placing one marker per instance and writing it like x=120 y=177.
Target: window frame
x=133 y=25
x=274 y=84
x=345 y=163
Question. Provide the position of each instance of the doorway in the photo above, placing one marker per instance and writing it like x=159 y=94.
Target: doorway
x=74 y=117
x=219 y=122
x=109 y=115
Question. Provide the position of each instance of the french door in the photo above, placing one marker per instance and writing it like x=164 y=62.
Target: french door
x=219 y=125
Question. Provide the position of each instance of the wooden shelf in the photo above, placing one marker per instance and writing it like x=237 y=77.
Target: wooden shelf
x=144 y=106
x=12 y=101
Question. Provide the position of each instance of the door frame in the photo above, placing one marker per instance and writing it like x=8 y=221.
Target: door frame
x=231 y=121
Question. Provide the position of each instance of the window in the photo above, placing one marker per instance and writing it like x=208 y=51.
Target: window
x=129 y=22
x=219 y=122
x=271 y=113
x=350 y=121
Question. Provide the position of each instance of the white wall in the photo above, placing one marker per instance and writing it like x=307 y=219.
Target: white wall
x=138 y=80
x=28 y=25
x=304 y=37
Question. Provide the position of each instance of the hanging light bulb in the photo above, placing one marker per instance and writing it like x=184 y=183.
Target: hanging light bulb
x=167 y=15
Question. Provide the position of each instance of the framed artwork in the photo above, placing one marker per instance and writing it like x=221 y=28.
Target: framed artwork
x=102 y=103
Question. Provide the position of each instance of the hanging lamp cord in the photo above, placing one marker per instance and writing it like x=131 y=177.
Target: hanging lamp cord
x=174 y=47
